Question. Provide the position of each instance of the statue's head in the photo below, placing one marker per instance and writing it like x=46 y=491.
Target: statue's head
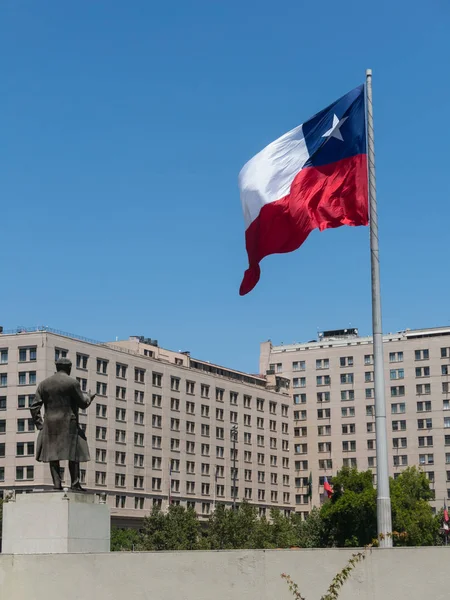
x=64 y=364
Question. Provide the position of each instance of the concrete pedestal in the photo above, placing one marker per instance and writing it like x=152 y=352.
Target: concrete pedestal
x=55 y=523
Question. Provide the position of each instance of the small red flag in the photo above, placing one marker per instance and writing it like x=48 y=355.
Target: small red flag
x=327 y=487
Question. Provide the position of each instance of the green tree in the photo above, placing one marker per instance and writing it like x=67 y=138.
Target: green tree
x=350 y=517
x=241 y=528
x=125 y=539
x=411 y=511
x=309 y=533
x=282 y=530
x=178 y=529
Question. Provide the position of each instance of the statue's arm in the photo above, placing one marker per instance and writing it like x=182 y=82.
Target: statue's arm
x=35 y=409
x=82 y=400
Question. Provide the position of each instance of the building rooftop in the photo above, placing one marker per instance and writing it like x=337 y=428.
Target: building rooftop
x=133 y=346
x=351 y=337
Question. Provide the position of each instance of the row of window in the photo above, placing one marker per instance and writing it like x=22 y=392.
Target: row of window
x=348 y=361
x=121 y=501
x=26 y=354
x=422 y=389
x=121 y=415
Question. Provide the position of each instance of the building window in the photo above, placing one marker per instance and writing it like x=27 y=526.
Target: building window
x=348 y=411
x=368 y=359
x=299 y=382
x=139 y=461
x=138 y=418
x=120 y=458
x=399 y=442
x=22 y=449
x=100 y=478
x=139 y=375
x=423 y=389
x=421 y=355
x=26 y=354
x=24 y=425
x=425 y=441
x=100 y=411
x=426 y=459
x=398 y=425
x=121 y=392
x=322 y=363
x=205 y=449
x=422 y=371
x=100 y=433
x=3 y=379
x=24 y=473
x=299 y=398
x=397 y=390
x=4 y=356
x=121 y=436
x=348 y=428
x=204 y=410
x=346 y=361
x=323 y=430
x=322 y=380
x=349 y=446
x=60 y=353
x=395 y=357
x=400 y=460
x=138 y=397
x=82 y=361
x=156 y=400
x=156 y=484
x=346 y=378
x=299 y=365
x=102 y=388
x=233 y=398
x=102 y=366
x=175 y=384
x=399 y=407
x=347 y=395
x=100 y=455
x=425 y=406
x=83 y=383
x=27 y=378
x=138 y=439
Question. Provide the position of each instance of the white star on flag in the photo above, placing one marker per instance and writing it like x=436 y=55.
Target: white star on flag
x=335 y=129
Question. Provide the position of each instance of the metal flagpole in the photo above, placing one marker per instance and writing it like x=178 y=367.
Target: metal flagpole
x=384 y=516
x=215 y=485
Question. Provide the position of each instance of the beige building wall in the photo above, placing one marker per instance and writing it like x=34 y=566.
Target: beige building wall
x=333 y=405
x=155 y=409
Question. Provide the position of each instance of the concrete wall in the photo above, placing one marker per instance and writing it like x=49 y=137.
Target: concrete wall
x=416 y=573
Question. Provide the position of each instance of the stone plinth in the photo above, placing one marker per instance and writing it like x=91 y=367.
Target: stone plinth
x=55 y=522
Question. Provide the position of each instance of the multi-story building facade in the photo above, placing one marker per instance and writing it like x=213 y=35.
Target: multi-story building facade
x=161 y=428
x=334 y=413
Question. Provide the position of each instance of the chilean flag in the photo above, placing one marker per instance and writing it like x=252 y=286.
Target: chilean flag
x=327 y=488
x=313 y=177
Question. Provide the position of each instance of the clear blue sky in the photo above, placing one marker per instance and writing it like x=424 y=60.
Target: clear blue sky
x=124 y=126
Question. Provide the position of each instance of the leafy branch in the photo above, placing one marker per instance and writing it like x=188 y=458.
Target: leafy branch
x=340 y=578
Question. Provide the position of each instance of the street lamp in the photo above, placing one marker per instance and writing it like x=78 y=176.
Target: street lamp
x=234 y=434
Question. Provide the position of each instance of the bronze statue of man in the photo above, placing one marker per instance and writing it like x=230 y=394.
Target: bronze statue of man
x=60 y=435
